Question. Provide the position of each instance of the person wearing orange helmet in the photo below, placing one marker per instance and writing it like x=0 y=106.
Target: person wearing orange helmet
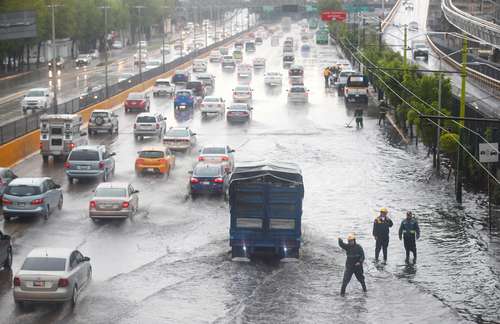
x=353 y=263
x=381 y=226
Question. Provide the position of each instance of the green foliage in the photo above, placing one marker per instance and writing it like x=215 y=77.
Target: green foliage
x=329 y=5
x=449 y=143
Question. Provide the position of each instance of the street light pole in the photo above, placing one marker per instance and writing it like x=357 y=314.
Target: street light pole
x=405 y=45
x=140 y=45
x=54 y=68
x=105 y=8
x=460 y=161
x=163 y=36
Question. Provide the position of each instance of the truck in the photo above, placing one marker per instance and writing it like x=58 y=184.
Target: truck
x=356 y=88
x=286 y=24
x=265 y=203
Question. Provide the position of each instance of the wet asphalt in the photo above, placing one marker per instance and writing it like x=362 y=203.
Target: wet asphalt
x=171 y=263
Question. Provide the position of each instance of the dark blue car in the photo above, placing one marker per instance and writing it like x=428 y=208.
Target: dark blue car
x=180 y=78
x=265 y=203
x=184 y=99
x=208 y=178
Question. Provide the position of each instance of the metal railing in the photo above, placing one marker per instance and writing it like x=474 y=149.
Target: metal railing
x=30 y=122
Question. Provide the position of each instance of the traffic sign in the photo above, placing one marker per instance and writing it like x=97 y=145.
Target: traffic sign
x=488 y=152
x=350 y=8
x=329 y=15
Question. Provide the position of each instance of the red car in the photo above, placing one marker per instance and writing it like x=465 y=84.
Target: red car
x=137 y=101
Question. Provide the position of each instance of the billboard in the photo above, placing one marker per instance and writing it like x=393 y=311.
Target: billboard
x=329 y=15
x=18 y=25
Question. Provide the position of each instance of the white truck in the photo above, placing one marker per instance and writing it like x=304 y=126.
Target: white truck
x=356 y=88
x=37 y=99
x=163 y=87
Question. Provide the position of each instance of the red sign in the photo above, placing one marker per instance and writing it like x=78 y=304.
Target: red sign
x=329 y=15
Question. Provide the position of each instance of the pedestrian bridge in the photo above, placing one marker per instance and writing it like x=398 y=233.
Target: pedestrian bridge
x=480 y=28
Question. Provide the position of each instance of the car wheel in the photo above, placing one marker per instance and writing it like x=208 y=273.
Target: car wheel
x=105 y=176
x=74 y=297
x=111 y=131
x=45 y=158
x=8 y=261
x=60 y=203
x=19 y=304
x=70 y=180
x=47 y=213
x=6 y=217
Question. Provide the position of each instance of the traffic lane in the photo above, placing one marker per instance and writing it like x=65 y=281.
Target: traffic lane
x=188 y=239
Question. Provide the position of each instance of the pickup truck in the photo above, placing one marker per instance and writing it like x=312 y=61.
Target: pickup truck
x=37 y=99
x=356 y=88
x=163 y=87
x=265 y=203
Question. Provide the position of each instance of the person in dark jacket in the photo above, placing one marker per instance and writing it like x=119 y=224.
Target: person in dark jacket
x=410 y=232
x=381 y=227
x=358 y=113
x=353 y=263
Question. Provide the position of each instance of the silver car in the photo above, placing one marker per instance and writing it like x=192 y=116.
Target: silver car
x=149 y=124
x=114 y=200
x=91 y=161
x=179 y=138
x=298 y=94
x=52 y=275
x=31 y=196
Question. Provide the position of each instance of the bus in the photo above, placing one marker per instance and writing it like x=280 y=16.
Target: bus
x=322 y=37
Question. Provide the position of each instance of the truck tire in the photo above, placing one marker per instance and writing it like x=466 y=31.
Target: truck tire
x=237 y=252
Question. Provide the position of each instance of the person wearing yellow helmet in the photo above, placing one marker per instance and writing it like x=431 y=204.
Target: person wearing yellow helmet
x=353 y=263
x=381 y=226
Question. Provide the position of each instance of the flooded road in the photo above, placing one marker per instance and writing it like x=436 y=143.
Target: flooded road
x=171 y=262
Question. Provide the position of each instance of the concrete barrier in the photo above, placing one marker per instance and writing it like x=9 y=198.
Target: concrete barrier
x=22 y=147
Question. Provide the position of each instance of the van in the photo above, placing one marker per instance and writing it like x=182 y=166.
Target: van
x=59 y=134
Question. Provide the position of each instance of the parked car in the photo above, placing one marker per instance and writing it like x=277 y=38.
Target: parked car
x=298 y=94
x=163 y=87
x=288 y=60
x=259 y=63
x=273 y=79
x=5 y=251
x=149 y=124
x=242 y=93
x=114 y=200
x=90 y=161
x=180 y=78
x=6 y=176
x=83 y=60
x=228 y=62
x=212 y=105
x=179 y=138
x=137 y=101
x=102 y=120
x=239 y=113
x=183 y=99
x=199 y=66
x=154 y=159
x=215 y=56
x=59 y=63
x=37 y=99
x=207 y=178
x=218 y=154
x=31 y=196
x=52 y=275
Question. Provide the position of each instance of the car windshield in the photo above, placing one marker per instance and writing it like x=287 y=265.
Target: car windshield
x=238 y=107
x=214 y=150
x=242 y=89
x=163 y=83
x=177 y=133
x=82 y=56
x=420 y=46
x=84 y=155
x=211 y=99
x=191 y=85
x=135 y=96
x=228 y=57
x=35 y=93
x=184 y=93
x=22 y=190
x=288 y=58
x=111 y=192
x=297 y=89
x=207 y=171
x=44 y=264
x=146 y=119
x=96 y=114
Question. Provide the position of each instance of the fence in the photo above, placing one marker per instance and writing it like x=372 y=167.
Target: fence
x=29 y=123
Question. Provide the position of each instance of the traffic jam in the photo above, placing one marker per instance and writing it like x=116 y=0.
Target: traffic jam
x=208 y=198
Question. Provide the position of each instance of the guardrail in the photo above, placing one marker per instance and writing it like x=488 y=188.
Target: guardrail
x=30 y=122
x=480 y=28
x=489 y=79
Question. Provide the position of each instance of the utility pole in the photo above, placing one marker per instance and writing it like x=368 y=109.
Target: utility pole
x=380 y=34
x=405 y=46
x=165 y=7
x=248 y=18
x=105 y=8
x=438 y=129
x=140 y=45
x=54 y=67
x=460 y=161
x=383 y=9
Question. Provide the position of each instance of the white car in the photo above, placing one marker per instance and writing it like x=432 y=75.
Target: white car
x=117 y=44
x=244 y=71
x=242 y=93
x=413 y=26
x=142 y=44
x=228 y=62
x=199 y=66
x=52 y=275
x=212 y=105
x=259 y=63
x=222 y=154
x=37 y=99
x=298 y=94
x=149 y=124
x=273 y=79
x=215 y=56
x=163 y=87
x=151 y=64
x=140 y=58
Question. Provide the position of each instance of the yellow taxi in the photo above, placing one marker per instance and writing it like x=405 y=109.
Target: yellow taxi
x=154 y=159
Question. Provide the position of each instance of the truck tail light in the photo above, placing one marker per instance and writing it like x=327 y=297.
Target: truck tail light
x=139 y=161
x=201 y=158
x=163 y=161
x=17 y=282
x=157 y=126
x=67 y=165
x=225 y=158
x=63 y=282
x=6 y=201
x=38 y=201
x=194 y=181
x=219 y=180
x=92 y=204
x=72 y=145
x=101 y=165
